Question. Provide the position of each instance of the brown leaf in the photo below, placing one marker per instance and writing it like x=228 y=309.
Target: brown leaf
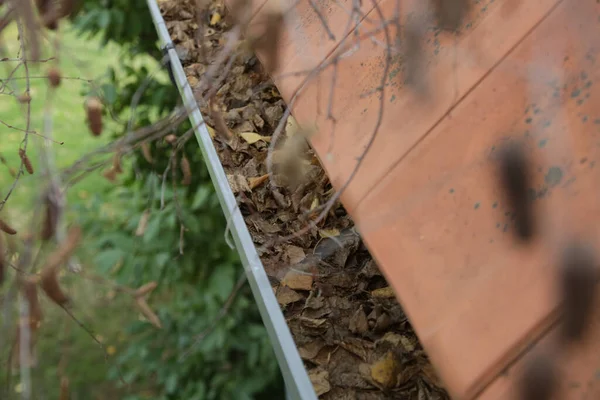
x=220 y=126
x=294 y=254
x=147 y=312
x=358 y=323
x=238 y=183
x=320 y=380
x=257 y=181
x=286 y=296
x=252 y=137
x=297 y=281
x=310 y=350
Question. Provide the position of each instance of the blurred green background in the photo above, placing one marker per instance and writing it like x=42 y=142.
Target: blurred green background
x=109 y=49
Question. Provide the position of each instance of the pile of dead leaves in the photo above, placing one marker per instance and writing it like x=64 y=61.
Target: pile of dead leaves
x=347 y=324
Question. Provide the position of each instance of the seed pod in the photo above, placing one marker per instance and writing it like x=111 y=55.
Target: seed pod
x=24 y=98
x=54 y=77
x=2 y=261
x=186 y=170
x=147 y=312
x=52 y=288
x=117 y=163
x=141 y=228
x=171 y=139
x=515 y=179
x=146 y=152
x=110 y=174
x=145 y=289
x=94 y=115
x=29 y=290
x=6 y=228
x=26 y=161
x=50 y=220
x=578 y=280
x=66 y=249
x=64 y=388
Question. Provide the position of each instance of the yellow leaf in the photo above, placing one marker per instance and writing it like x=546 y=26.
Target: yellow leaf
x=326 y=233
x=385 y=370
x=211 y=131
x=110 y=350
x=215 y=19
x=252 y=137
x=315 y=204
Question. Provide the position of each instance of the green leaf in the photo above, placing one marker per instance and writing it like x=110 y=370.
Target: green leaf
x=107 y=259
x=104 y=19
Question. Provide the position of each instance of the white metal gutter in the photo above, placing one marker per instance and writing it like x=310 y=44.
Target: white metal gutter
x=298 y=384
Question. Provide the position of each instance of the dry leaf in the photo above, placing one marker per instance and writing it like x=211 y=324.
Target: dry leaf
x=211 y=131
x=297 y=281
x=257 y=181
x=327 y=233
x=385 y=370
x=294 y=254
x=310 y=350
x=238 y=183
x=383 y=293
x=358 y=322
x=251 y=137
x=286 y=296
x=320 y=381
x=215 y=19
x=186 y=170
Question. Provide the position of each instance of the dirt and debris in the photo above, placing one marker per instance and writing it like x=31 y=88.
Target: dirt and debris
x=351 y=332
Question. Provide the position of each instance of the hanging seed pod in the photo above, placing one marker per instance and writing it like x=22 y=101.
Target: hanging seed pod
x=2 y=261
x=145 y=289
x=186 y=170
x=52 y=288
x=578 y=280
x=26 y=161
x=50 y=219
x=147 y=312
x=6 y=228
x=117 y=163
x=30 y=292
x=24 y=98
x=515 y=180
x=64 y=388
x=146 y=152
x=141 y=228
x=110 y=174
x=94 y=115
x=539 y=379
x=54 y=77
x=66 y=249
x=171 y=139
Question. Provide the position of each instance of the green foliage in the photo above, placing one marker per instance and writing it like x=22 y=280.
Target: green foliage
x=234 y=361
